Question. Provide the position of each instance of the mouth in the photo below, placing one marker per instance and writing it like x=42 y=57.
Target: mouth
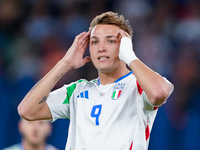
x=103 y=58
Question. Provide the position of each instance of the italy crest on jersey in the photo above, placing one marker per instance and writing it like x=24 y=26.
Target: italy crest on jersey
x=117 y=91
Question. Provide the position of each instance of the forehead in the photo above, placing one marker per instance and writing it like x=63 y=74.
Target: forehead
x=104 y=30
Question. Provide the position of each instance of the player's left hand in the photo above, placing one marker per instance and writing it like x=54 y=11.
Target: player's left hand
x=126 y=52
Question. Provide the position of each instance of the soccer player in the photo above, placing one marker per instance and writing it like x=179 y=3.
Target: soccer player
x=34 y=135
x=115 y=111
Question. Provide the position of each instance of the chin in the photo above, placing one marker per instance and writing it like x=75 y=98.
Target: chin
x=105 y=70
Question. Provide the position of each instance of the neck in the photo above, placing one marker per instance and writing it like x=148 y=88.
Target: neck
x=111 y=77
x=31 y=146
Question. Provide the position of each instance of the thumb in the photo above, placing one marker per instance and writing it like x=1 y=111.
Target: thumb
x=86 y=59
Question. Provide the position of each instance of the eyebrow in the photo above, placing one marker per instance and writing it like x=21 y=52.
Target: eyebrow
x=109 y=36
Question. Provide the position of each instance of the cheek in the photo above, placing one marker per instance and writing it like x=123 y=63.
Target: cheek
x=92 y=52
x=115 y=50
x=91 y=49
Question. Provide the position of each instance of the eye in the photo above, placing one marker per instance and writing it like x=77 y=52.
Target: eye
x=94 y=42
x=111 y=41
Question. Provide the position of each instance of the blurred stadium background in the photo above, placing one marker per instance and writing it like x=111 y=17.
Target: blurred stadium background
x=35 y=34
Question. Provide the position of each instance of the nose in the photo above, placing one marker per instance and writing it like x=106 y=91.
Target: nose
x=101 y=47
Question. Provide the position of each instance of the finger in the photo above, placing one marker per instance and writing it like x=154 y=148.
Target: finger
x=80 y=35
x=85 y=42
x=122 y=33
x=127 y=35
x=88 y=33
x=84 y=36
x=119 y=35
x=84 y=46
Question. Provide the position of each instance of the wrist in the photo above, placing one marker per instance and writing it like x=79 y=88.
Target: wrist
x=126 y=52
x=62 y=65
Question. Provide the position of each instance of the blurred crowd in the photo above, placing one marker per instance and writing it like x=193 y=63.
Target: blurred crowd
x=35 y=34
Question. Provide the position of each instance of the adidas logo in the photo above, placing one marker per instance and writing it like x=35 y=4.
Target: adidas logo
x=83 y=95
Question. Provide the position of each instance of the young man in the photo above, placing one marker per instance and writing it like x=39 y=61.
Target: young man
x=113 y=112
x=34 y=135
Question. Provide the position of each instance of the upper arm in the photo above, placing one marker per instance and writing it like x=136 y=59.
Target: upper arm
x=58 y=104
x=148 y=106
x=44 y=113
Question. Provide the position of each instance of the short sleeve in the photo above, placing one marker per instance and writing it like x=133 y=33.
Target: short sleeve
x=57 y=105
x=147 y=106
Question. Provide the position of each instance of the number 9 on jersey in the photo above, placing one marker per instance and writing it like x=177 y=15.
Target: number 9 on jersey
x=95 y=113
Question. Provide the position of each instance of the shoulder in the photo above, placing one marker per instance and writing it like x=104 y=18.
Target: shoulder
x=81 y=82
x=84 y=81
x=50 y=147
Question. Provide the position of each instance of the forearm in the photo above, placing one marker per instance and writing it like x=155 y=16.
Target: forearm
x=34 y=105
x=35 y=100
x=154 y=85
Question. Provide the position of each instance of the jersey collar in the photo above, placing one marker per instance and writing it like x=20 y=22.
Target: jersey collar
x=98 y=80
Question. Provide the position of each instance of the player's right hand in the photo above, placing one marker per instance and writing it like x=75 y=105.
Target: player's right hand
x=74 y=56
